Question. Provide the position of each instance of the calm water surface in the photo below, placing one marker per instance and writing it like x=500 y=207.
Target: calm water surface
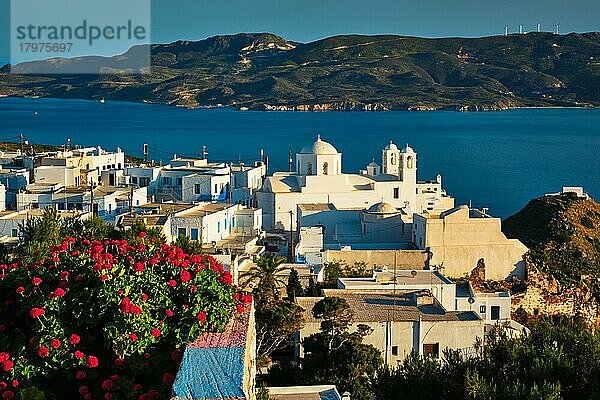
x=498 y=160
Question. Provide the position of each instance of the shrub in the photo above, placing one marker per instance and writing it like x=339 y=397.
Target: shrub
x=107 y=319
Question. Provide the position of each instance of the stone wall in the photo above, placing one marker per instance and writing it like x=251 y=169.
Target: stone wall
x=545 y=296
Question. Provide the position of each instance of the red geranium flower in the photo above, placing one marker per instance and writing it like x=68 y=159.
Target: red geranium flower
x=78 y=354
x=240 y=308
x=42 y=351
x=36 y=312
x=120 y=362
x=142 y=235
x=169 y=313
x=91 y=362
x=7 y=365
x=185 y=276
x=201 y=316
x=168 y=378
x=36 y=281
x=83 y=389
x=108 y=396
x=172 y=283
x=107 y=384
x=55 y=343
x=137 y=387
x=4 y=356
x=74 y=339
x=8 y=395
x=144 y=297
x=20 y=289
x=80 y=375
x=133 y=337
x=177 y=355
x=15 y=383
x=155 y=332
x=3 y=385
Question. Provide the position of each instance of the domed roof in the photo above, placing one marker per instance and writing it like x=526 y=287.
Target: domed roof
x=319 y=147
x=391 y=146
x=408 y=149
x=373 y=164
x=382 y=208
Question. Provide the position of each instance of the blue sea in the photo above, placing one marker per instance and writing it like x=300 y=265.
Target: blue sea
x=499 y=160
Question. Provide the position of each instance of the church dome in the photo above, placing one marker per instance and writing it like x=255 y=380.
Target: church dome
x=391 y=146
x=382 y=208
x=408 y=149
x=319 y=147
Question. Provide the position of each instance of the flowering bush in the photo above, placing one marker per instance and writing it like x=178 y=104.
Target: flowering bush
x=107 y=319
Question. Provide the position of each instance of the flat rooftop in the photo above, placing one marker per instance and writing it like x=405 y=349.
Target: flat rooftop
x=201 y=210
x=316 y=207
x=402 y=277
x=163 y=208
x=38 y=212
x=374 y=307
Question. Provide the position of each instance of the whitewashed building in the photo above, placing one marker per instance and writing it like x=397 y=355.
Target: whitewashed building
x=319 y=179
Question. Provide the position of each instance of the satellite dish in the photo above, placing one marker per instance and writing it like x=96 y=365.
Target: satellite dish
x=471 y=300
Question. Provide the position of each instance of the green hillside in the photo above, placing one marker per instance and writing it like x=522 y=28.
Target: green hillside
x=563 y=233
x=341 y=72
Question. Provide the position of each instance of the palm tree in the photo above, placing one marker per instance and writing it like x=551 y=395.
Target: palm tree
x=267 y=277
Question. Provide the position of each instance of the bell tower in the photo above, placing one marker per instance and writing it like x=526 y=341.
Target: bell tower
x=408 y=165
x=390 y=159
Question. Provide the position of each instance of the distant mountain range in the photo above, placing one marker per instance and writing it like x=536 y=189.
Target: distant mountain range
x=351 y=72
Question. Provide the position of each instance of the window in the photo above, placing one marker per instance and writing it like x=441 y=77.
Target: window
x=197 y=188
x=218 y=227
x=181 y=232
x=409 y=162
x=393 y=159
x=166 y=180
x=14 y=232
x=325 y=168
x=134 y=180
x=179 y=181
x=395 y=351
x=432 y=350
x=216 y=188
x=495 y=313
x=194 y=234
x=233 y=222
x=309 y=169
x=225 y=224
x=396 y=193
x=482 y=309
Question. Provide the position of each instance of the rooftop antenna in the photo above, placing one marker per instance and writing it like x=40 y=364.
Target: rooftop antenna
x=290 y=161
x=557 y=26
x=68 y=144
x=520 y=29
x=506 y=31
x=204 y=152
x=539 y=27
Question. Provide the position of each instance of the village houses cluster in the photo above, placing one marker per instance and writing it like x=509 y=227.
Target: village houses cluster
x=408 y=234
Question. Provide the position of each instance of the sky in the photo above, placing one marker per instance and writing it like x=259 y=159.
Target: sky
x=309 y=20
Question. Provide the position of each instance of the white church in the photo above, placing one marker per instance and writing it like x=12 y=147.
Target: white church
x=319 y=187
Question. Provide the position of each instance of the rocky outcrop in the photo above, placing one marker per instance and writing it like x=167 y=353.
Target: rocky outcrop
x=545 y=296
